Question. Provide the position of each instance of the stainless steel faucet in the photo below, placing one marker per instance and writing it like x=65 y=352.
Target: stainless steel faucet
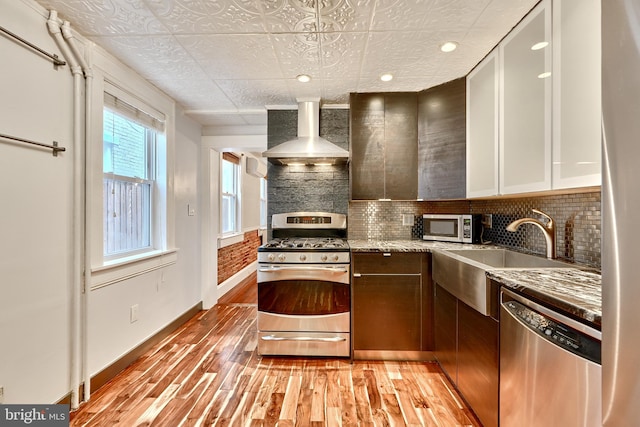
x=548 y=229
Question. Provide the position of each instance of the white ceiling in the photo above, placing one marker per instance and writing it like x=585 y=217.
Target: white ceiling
x=225 y=60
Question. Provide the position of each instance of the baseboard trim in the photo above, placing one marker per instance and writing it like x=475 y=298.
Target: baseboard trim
x=414 y=356
x=236 y=279
x=108 y=373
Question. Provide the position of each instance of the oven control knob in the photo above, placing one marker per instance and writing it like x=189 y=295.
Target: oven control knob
x=324 y=258
x=282 y=257
x=336 y=257
x=271 y=257
x=303 y=257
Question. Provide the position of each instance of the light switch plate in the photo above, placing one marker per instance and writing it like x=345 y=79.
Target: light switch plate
x=134 y=313
x=191 y=211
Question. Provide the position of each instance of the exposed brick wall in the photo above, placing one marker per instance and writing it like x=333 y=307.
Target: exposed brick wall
x=233 y=258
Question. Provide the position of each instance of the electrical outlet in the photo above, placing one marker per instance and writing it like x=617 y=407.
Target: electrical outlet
x=134 y=313
x=487 y=220
x=407 y=219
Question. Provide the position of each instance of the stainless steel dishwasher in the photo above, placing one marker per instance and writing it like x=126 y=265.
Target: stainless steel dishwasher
x=550 y=373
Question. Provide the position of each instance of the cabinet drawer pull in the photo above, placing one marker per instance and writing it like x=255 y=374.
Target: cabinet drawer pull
x=386 y=254
x=357 y=275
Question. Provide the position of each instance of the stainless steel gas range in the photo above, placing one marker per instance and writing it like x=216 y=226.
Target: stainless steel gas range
x=303 y=286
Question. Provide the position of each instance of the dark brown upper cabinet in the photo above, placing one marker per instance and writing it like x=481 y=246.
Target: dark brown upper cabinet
x=442 y=141
x=384 y=146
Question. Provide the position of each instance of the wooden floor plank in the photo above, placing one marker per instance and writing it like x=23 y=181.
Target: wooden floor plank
x=318 y=398
x=208 y=372
x=290 y=403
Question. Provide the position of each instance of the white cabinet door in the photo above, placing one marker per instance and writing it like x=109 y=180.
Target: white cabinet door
x=576 y=93
x=482 y=128
x=525 y=104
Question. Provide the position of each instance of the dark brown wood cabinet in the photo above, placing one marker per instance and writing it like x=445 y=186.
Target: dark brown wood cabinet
x=392 y=305
x=467 y=348
x=445 y=329
x=442 y=141
x=409 y=145
x=478 y=363
x=384 y=146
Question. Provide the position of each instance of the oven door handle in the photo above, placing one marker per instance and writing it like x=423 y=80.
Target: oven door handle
x=303 y=338
x=276 y=269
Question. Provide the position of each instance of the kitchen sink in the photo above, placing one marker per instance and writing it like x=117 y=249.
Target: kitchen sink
x=504 y=258
x=463 y=272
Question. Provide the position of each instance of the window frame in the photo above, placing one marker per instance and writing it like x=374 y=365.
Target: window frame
x=106 y=271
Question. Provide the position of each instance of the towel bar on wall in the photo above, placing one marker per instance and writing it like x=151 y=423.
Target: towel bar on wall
x=52 y=57
x=54 y=146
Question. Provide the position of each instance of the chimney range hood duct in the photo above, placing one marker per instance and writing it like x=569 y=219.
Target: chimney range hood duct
x=308 y=147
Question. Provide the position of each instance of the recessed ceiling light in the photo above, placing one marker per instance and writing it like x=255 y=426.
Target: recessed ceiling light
x=386 y=77
x=544 y=75
x=539 y=45
x=304 y=78
x=448 y=46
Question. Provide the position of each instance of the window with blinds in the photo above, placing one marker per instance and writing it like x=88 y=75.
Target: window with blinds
x=130 y=137
x=230 y=193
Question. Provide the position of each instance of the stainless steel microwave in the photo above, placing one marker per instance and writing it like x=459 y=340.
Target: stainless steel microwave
x=452 y=228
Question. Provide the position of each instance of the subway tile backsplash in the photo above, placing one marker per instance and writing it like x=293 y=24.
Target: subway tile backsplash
x=577 y=216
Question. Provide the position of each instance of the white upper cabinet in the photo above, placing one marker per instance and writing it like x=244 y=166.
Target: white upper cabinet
x=576 y=95
x=525 y=104
x=533 y=104
x=482 y=128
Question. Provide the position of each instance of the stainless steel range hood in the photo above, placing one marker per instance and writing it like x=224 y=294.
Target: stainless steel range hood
x=308 y=147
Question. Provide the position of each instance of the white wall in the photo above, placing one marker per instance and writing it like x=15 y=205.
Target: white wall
x=36 y=190
x=35 y=218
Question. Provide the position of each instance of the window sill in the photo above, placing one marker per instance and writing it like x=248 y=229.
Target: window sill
x=125 y=268
x=230 y=239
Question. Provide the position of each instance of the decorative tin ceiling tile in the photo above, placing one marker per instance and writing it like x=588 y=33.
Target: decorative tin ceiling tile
x=400 y=14
x=254 y=94
x=342 y=55
x=345 y=15
x=411 y=53
x=229 y=55
x=290 y=16
x=454 y=14
x=196 y=94
x=208 y=17
x=107 y=16
x=297 y=54
x=238 y=56
x=156 y=50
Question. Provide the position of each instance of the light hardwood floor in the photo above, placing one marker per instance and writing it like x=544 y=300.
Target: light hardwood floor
x=209 y=373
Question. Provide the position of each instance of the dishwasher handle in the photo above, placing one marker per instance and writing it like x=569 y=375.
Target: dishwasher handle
x=547 y=324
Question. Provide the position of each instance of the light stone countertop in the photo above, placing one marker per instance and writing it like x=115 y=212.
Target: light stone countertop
x=570 y=290
x=573 y=291
x=408 y=246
